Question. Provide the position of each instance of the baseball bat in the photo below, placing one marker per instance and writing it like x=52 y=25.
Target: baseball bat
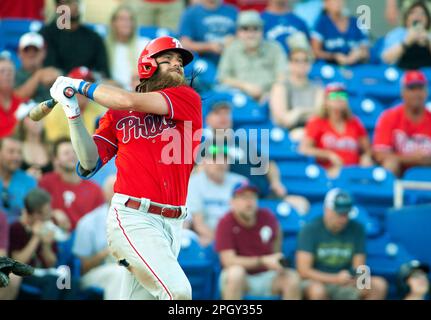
x=45 y=107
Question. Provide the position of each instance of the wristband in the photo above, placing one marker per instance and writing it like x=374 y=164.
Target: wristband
x=87 y=89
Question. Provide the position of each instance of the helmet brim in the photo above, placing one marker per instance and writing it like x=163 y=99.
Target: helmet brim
x=186 y=55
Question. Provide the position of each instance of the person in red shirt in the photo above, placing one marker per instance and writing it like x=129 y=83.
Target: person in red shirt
x=72 y=197
x=242 y=5
x=9 y=102
x=248 y=240
x=336 y=137
x=402 y=137
x=22 y=9
x=155 y=133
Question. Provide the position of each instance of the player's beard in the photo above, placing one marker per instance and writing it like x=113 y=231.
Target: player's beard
x=161 y=80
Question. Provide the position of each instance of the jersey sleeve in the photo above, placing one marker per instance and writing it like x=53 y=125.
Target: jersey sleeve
x=184 y=104
x=106 y=142
x=383 y=133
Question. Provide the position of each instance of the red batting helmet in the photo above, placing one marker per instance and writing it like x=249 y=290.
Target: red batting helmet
x=147 y=65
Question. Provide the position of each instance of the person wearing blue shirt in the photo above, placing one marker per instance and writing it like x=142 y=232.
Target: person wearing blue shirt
x=280 y=22
x=207 y=28
x=337 y=38
x=15 y=183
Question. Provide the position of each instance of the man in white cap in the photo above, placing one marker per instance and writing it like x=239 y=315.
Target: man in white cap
x=32 y=79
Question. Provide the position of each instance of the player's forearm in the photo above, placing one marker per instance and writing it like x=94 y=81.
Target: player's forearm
x=83 y=144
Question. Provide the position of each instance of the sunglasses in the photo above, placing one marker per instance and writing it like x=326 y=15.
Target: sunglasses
x=250 y=28
x=338 y=96
x=415 y=87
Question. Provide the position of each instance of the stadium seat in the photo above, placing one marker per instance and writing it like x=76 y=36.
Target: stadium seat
x=371 y=187
x=99 y=28
x=411 y=226
x=376 y=51
x=372 y=226
x=384 y=256
x=308 y=180
x=381 y=82
x=325 y=73
x=197 y=266
x=366 y=109
x=205 y=72
x=11 y=31
x=417 y=196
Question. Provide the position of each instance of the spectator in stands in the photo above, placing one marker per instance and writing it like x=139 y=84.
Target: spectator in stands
x=280 y=23
x=402 y=137
x=74 y=45
x=9 y=102
x=243 y=5
x=330 y=249
x=393 y=8
x=251 y=63
x=337 y=38
x=32 y=79
x=409 y=46
x=22 y=9
x=99 y=269
x=210 y=192
x=163 y=13
x=123 y=46
x=248 y=240
x=72 y=196
x=14 y=183
x=413 y=282
x=36 y=158
x=11 y=291
x=56 y=125
x=32 y=241
x=336 y=137
x=294 y=99
x=244 y=156
x=207 y=28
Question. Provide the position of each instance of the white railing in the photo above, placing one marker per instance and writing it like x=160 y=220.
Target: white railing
x=401 y=185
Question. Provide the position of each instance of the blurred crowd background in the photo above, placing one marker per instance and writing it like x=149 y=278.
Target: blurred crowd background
x=338 y=91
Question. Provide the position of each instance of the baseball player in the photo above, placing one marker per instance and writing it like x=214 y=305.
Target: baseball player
x=142 y=129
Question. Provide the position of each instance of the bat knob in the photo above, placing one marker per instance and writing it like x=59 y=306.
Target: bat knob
x=69 y=92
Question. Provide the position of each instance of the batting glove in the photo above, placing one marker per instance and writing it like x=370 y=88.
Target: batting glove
x=70 y=105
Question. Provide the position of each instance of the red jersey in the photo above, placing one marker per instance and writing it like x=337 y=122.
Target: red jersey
x=8 y=120
x=155 y=153
x=248 y=242
x=397 y=133
x=258 y=5
x=344 y=144
x=22 y=9
x=75 y=200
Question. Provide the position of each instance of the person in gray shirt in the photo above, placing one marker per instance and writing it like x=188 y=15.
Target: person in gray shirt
x=330 y=249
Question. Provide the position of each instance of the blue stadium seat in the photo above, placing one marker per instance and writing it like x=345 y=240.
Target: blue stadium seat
x=205 y=72
x=384 y=256
x=325 y=73
x=417 y=196
x=197 y=266
x=308 y=180
x=376 y=51
x=366 y=109
x=151 y=32
x=371 y=187
x=245 y=109
x=381 y=82
x=66 y=257
x=12 y=29
x=99 y=28
x=372 y=226
x=411 y=226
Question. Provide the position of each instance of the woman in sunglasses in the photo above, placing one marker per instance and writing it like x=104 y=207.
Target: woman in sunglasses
x=336 y=137
x=294 y=99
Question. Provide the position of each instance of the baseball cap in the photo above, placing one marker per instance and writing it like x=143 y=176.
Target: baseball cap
x=31 y=39
x=248 y=18
x=336 y=90
x=414 y=78
x=81 y=73
x=339 y=200
x=244 y=186
x=408 y=268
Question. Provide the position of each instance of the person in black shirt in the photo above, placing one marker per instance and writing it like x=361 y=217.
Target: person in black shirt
x=75 y=46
